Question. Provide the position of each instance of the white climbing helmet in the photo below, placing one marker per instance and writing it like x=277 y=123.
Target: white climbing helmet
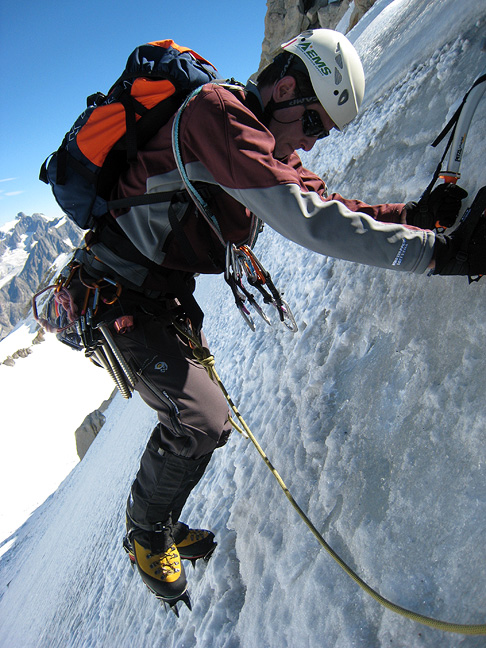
x=335 y=71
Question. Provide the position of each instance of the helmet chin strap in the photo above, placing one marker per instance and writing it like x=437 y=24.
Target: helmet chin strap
x=273 y=105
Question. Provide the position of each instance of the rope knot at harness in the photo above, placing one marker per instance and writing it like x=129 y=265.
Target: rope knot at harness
x=204 y=356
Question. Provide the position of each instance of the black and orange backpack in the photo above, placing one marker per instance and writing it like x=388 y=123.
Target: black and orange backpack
x=104 y=139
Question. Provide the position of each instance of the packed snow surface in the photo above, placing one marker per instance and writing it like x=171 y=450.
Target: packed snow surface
x=40 y=399
x=373 y=413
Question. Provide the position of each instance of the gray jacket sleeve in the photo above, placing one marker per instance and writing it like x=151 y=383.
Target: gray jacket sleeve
x=330 y=228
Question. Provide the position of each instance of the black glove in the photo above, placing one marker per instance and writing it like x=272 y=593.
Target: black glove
x=448 y=261
x=461 y=254
x=441 y=206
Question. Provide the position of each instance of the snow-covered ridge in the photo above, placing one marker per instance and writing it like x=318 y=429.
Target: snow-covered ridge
x=11 y=263
x=28 y=248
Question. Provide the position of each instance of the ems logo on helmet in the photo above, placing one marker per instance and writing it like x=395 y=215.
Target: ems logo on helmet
x=315 y=59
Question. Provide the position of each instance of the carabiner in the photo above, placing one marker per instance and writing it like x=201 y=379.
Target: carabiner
x=287 y=316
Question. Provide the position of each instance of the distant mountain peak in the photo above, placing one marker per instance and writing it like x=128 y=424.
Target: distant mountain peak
x=24 y=263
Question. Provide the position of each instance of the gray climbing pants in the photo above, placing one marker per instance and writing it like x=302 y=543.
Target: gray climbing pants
x=192 y=413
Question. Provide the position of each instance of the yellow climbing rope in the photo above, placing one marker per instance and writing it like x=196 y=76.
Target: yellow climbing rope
x=206 y=359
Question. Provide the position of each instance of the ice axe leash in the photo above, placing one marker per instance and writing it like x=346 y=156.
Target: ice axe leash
x=458 y=126
x=203 y=355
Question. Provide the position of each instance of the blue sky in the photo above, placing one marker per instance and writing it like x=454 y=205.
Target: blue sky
x=55 y=53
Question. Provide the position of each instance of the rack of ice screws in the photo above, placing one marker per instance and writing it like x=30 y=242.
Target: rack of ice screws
x=80 y=330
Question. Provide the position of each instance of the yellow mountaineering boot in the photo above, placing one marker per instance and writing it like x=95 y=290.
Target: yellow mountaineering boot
x=193 y=544
x=159 y=565
x=163 y=573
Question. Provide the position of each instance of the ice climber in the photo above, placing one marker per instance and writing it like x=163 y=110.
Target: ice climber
x=240 y=146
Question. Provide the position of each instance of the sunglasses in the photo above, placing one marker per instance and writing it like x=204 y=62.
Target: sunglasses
x=312 y=124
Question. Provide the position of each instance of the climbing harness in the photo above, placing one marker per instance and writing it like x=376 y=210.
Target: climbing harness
x=206 y=359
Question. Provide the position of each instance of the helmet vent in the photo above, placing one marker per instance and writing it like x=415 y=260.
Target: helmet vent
x=344 y=96
x=339 y=61
x=338 y=77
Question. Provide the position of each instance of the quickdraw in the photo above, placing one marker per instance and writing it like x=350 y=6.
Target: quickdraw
x=242 y=263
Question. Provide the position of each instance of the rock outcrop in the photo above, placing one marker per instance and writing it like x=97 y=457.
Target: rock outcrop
x=287 y=18
x=89 y=428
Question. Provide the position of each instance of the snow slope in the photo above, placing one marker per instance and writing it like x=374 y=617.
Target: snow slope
x=40 y=412
x=373 y=413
